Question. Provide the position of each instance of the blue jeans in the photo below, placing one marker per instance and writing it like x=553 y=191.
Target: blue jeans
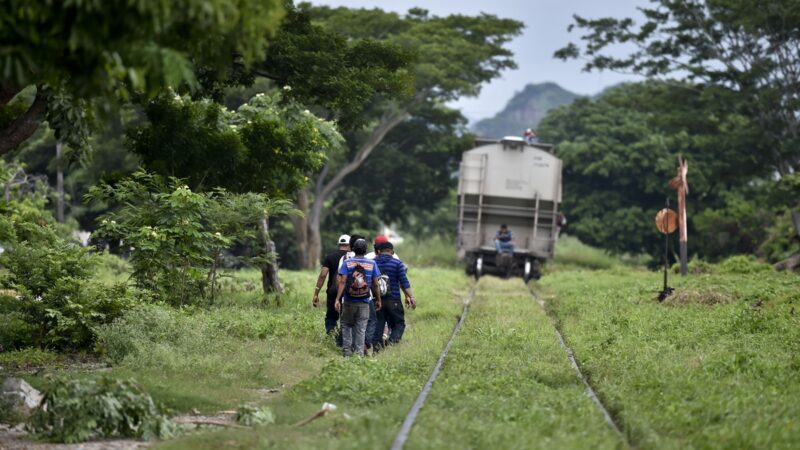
x=501 y=246
x=371 y=324
x=332 y=319
x=393 y=315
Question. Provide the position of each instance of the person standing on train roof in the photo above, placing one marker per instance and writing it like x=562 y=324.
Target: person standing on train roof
x=502 y=240
x=358 y=276
x=392 y=312
x=330 y=269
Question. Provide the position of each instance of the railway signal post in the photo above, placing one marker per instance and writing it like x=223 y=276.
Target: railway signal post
x=666 y=223
x=680 y=184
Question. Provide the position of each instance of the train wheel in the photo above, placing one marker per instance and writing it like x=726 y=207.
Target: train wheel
x=526 y=276
x=478 y=267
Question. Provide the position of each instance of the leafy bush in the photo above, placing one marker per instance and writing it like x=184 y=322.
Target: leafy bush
x=49 y=300
x=695 y=266
x=79 y=410
x=250 y=415
x=177 y=236
x=742 y=264
x=781 y=241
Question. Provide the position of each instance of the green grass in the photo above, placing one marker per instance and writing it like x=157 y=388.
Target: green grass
x=434 y=251
x=716 y=366
x=372 y=394
x=507 y=383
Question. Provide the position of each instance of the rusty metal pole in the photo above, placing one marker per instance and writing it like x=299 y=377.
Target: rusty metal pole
x=682 y=227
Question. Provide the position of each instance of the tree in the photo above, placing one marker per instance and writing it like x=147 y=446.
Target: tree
x=620 y=150
x=749 y=49
x=454 y=56
x=267 y=145
x=75 y=52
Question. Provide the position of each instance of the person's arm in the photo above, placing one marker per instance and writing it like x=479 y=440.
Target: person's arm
x=338 y=304
x=320 y=282
x=376 y=293
x=341 y=280
x=376 y=287
x=405 y=285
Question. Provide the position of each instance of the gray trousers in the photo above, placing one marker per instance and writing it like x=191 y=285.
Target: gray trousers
x=354 y=318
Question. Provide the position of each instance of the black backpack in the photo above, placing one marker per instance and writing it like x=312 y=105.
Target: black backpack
x=357 y=286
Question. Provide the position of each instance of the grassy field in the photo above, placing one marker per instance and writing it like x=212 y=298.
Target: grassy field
x=716 y=366
x=372 y=394
x=507 y=383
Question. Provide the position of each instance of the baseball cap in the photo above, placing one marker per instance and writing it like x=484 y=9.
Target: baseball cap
x=380 y=239
x=344 y=239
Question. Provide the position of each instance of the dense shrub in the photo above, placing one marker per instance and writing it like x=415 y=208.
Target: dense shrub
x=79 y=410
x=177 y=236
x=48 y=298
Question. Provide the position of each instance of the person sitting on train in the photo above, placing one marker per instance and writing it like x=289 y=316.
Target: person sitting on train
x=530 y=137
x=502 y=240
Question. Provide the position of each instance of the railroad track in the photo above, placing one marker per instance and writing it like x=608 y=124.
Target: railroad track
x=408 y=422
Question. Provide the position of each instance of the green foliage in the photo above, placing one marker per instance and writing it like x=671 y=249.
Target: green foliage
x=339 y=76
x=176 y=235
x=741 y=49
x=50 y=300
x=742 y=264
x=79 y=410
x=267 y=145
x=27 y=358
x=619 y=152
x=103 y=47
x=571 y=253
x=428 y=251
x=250 y=416
x=782 y=241
x=113 y=51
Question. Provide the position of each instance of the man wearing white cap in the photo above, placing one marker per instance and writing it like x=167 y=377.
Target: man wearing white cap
x=330 y=268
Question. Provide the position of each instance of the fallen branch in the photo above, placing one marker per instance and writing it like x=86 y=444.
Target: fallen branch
x=217 y=422
x=326 y=408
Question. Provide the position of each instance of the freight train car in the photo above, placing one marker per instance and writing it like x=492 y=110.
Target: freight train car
x=508 y=182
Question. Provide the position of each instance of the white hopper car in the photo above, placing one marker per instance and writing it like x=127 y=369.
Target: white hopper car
x=508 y=182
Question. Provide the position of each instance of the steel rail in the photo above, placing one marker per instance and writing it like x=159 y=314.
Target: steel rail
x=405 y=429
x=589 y=391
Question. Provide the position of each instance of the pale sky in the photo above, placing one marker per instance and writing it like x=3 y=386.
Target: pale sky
x=546 y=23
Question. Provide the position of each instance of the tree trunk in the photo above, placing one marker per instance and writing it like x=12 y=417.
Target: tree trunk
x=323 y=190
x=270 y=282
x=796 y=222
x=314 y=238
x=59 y=182
x=301 y=231
x=24 y=125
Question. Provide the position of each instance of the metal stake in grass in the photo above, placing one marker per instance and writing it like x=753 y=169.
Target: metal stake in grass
x=666 y=223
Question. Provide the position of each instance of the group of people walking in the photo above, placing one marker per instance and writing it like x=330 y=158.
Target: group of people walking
x=363 y=294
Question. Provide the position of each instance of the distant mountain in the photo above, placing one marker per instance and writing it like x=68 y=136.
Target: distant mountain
x=524 y=110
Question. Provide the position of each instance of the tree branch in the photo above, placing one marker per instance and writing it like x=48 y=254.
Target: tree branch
x=387 y=123
x=265 y=74
x=24 y=125
x=7 y=92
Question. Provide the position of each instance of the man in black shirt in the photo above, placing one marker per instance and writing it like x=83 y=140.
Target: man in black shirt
x=330 y=269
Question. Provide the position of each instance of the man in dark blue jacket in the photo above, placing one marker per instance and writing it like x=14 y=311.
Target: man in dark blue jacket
x=392 y=313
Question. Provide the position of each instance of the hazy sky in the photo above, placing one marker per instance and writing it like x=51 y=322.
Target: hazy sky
x=545 y=31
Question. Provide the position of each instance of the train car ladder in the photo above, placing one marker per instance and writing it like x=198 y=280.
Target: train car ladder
x=481 y=185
